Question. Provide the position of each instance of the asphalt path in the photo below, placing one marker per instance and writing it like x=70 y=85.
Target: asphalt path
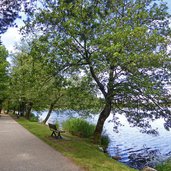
x=22 y=151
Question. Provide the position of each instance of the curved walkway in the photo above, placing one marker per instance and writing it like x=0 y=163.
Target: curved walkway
x=22 y=151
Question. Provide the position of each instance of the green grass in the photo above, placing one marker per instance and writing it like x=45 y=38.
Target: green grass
x=166 y=166
x=80 y=150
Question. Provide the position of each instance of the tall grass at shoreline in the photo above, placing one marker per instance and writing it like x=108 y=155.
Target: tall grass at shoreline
x=79 y=127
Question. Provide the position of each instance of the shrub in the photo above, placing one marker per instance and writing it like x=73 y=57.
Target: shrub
x=165 y=166
x=79 y=127
x=57 y=124
x=34 y=118
x=105 y=141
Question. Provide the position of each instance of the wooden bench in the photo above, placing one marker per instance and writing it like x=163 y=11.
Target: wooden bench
x=55 y=132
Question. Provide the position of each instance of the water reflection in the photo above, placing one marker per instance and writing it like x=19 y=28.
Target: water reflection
x=143 y=157
x=135 y=149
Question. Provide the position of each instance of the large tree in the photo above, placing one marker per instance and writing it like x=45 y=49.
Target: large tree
x=120 y=45
x=59 y=91
x=29 y=81
x=3 y=75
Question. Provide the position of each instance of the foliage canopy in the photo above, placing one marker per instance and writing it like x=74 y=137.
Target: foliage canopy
x=3 y=74
x=9 y=11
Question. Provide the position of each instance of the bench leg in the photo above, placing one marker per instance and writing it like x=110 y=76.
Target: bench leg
x=56 y=136
x=59 y=135
x=53 y=133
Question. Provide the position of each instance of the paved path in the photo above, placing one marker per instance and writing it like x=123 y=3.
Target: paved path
x=22 y=151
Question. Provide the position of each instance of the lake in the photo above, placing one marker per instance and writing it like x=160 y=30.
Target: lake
x=135 y=148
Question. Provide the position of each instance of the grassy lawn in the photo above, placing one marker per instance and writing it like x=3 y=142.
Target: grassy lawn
x=80 y=151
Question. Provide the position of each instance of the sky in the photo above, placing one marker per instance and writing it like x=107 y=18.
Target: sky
x=169 y=4
x=12 y=36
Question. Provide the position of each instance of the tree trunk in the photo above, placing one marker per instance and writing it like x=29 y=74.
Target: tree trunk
x=1 y=106
x=22 y=107
x=28 y=112
x=8 y=107
x=7 y=111
x=49 y=112
x=14 y=110
x=100 y=123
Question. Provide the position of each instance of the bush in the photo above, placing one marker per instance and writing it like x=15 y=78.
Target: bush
x=79 y=127
x=105 y=141
x=34 y=118
x=165 y=166
x=57 y=124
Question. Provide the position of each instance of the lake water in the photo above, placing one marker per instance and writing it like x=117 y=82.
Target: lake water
x=135 y=148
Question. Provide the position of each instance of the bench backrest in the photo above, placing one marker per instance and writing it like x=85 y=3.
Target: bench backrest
x=52 y=126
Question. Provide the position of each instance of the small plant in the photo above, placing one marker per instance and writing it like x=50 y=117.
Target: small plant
x=34 y=118
x=165 y=166
x=79 y=127
x=57 y=124
x=105 y=141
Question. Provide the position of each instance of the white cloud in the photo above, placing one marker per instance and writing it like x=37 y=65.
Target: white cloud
x=10 y=38
x=12 y=35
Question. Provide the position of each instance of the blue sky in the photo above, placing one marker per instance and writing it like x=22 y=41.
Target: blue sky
x=12 y=36
x=169 y=5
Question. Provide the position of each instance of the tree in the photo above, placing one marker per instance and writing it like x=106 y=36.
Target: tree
x=33 y=82
x=120 y=45
x=37 y=83
x=9 y=11
x=22 y=82
x=58 y=91
x=3 y=75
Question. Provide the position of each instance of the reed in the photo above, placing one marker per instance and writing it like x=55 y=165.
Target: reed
x=79 y=127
